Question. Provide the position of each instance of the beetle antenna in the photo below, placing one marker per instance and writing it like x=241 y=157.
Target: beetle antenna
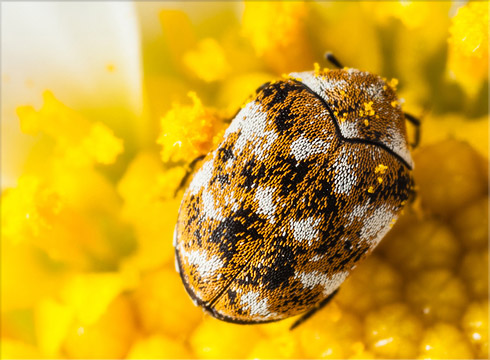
x=330 y=57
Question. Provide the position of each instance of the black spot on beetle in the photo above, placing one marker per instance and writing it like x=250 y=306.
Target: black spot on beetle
x=224 y=154
x=283 y=119
x=243 y=224
x=283 y=267
x=231 y=296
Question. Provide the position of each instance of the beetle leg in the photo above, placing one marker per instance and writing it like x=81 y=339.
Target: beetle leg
x=190 y=170
x=416 y=122
x=317 y=307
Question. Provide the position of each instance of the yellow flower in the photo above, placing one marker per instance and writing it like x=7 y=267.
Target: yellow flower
x=277 y=32
x=468 y=46
x=90 y=202
x=208 y=61
x=188 y=131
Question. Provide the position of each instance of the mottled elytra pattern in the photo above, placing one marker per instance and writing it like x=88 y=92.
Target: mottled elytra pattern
x=277 y=216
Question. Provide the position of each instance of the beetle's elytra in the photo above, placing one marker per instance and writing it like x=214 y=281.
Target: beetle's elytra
x=309 y=177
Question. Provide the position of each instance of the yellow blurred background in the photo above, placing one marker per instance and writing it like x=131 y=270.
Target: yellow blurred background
x=103 y=106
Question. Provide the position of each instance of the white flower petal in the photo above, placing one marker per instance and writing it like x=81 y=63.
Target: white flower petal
x=68 y=48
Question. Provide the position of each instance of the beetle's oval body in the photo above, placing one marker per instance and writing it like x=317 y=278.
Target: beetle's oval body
x=309 y=177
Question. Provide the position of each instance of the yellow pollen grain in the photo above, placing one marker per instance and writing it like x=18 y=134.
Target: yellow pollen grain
x=371 y=190
x=380 y=180
x=380 y=169
x=394 y=103
x=366 y=122
x=393 y=83
x=316 y=67
x=368 y=108
x=361 y=113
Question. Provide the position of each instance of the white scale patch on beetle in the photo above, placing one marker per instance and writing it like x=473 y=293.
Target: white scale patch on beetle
x=202 y=177
x=250 y=301
x=251 y=122
x=345 y=172
x=328 y=282
x=264 y=197
x=399 y=145
x=205 y=267
x=349 y=129
x=320 y=85
x=303 y=148
x=378 y=224
x=305 y=229
x=209 y=208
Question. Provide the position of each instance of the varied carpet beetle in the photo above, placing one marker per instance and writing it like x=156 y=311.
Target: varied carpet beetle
x=309 y=177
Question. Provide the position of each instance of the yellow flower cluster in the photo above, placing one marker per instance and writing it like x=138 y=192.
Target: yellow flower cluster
x=87 y=267
x=468 y=46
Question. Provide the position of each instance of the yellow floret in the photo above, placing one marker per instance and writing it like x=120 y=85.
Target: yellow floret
x=109 y=337
x=215 y=339
x=332 y=333
x=475 y=327
x=158 y=347
x=444 y=341
x=417 y=244
x=438 y=294
x=188 y=131
x=283 y=345
x=474 y=270
x=393 y=332
x=373 y=283
x=445 y=186
x=468 y=46
x=471 y=224
x=208 y=61
x=276 y=31
x=163 y=305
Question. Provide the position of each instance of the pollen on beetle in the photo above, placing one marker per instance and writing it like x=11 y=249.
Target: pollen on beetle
x=371 y=190
x=368 y=108
x=316 y=67
x=380 y=169
x=366 y=122
x=361 y=113
x=380 y=180
x=393 y=83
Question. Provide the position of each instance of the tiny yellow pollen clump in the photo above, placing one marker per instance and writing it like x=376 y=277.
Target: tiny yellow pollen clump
x=368 y=108
x=316 y=67
x=188 y=131
x=393 y=83
x=366 y=122
x=380 y=169
x=395 y=103
x=361 y=113
x=380 y=180
x=371 y=190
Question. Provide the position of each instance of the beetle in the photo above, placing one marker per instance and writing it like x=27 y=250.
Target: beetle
x=309 y=177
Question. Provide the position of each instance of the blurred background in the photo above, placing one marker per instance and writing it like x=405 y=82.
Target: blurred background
x=105 y=103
